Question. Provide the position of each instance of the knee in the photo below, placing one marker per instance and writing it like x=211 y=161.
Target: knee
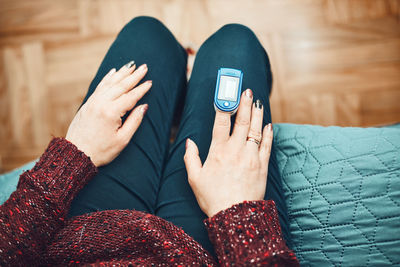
x=236 y=31
x=144 y=22
x=237 y=37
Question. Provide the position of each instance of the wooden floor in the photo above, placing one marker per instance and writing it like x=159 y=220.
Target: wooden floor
x=335 y=62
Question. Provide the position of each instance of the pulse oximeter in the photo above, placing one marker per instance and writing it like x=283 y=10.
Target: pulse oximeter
x=228 y=90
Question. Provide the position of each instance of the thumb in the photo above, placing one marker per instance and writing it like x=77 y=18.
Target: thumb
x=192 y=159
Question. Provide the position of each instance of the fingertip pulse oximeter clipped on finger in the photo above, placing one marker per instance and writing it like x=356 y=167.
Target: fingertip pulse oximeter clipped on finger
x=228 y=90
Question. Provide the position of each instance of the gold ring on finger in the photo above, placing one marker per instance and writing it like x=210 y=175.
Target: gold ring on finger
x=251 y=139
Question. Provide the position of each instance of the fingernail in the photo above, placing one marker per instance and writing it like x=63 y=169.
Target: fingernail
x=112 y=70
x=187 y=143
x=144 y=108
x=130 y=64
x=249 y=93
x=149 y=81
x=269 y=127
x=258 y=104
x=142 y=67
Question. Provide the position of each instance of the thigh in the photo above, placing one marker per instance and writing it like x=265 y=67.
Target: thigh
x=232 y=46
x=132 y=180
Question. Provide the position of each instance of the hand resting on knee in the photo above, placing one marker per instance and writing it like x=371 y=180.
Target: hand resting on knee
x=97 y=128
x=237 y=165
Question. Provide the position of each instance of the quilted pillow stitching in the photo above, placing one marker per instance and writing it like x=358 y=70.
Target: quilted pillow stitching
x=342 y=187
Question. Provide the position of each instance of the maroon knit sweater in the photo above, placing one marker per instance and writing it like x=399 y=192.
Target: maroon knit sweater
x=34 y=229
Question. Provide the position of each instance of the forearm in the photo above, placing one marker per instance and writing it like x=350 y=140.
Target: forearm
x=36 y=210
x=248 y=234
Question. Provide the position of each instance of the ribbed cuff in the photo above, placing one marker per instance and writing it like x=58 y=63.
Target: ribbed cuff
x=245 y=231
x=62 y=171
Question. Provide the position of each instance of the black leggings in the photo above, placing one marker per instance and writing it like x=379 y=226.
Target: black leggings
x=149 y=175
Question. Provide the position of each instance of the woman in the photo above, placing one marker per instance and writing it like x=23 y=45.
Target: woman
x=113 y=193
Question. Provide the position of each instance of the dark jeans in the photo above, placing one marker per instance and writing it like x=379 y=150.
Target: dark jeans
x=149 y=175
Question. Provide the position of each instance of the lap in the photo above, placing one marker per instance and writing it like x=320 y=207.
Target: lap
x=148 y=175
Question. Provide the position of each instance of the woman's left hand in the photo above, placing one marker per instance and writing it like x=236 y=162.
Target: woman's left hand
x=97 y=128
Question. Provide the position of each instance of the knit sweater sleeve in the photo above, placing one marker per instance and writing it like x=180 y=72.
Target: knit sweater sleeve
x=36 y=210
x=249 y=234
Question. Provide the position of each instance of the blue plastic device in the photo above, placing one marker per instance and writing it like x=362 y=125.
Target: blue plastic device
x=228 y=90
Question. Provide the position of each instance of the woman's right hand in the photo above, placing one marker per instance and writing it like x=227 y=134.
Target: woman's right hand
x=97 y=128
x=236 y=168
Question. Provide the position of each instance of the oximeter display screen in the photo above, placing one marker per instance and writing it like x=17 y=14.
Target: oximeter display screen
x=228 y=88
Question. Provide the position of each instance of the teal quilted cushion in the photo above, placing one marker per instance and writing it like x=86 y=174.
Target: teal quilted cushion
x=9 y=181
x=342 y=190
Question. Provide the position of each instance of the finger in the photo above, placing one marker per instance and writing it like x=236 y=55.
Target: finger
x=129 y=81
x=192 y=159
x=108 y=76
x=265 y=148
x=222 y=126
x=132 y=122
x=106 y=79
x=128 y=100
x=123 y=72
x=255 y=124
x=242 y=121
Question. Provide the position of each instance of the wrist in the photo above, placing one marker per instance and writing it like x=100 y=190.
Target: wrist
x=216 y=209
x=82 y=149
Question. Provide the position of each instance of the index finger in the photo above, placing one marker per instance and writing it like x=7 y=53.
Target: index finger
x=222 y=126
